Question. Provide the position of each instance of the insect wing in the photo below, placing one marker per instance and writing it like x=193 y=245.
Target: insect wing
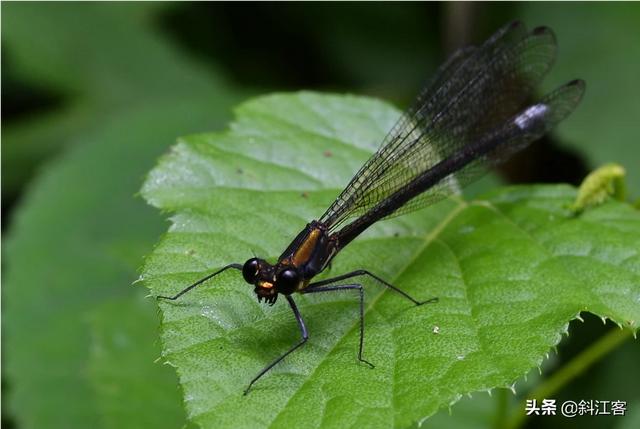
x=476 y=92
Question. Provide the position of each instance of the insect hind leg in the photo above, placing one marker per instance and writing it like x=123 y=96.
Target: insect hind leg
x=360 y=289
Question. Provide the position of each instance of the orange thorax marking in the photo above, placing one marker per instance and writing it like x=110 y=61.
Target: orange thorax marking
x=305 y=250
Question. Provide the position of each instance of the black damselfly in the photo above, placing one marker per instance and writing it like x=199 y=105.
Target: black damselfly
x=471 y=116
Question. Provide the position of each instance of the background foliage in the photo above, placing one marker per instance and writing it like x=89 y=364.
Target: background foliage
x=94 y=93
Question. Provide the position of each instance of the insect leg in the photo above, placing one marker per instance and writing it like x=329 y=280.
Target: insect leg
x=361 y=292
x=305 y=337
x=199 y=282
x=367 y=273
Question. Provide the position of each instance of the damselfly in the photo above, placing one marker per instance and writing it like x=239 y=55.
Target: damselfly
x=472 y=115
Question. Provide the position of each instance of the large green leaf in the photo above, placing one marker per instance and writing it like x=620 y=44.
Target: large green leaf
x=113 y=60
x=80 y=232
x=76 y=242
x=125 y=380
x=99 y=58
x=511 y=271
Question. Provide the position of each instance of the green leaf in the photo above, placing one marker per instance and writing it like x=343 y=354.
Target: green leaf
x=125 y=381
x=471 y=412
x=75 y=243
x=78 y=237
x=107 y=61
x=511 y=271
x=101 y=72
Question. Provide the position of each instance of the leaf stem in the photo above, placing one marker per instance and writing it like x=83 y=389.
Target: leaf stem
x=571 y=370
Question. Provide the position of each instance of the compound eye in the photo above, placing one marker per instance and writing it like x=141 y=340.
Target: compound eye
x=250 y=270
x=287 y=281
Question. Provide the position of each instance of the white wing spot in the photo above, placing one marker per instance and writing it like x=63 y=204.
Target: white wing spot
x=531 y=114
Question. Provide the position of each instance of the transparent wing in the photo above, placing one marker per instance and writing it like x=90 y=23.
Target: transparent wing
x=516 y=134
x=494 y=146
x=475 y=92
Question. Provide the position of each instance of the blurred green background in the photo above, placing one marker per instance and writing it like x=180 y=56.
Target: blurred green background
x=94 y=93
